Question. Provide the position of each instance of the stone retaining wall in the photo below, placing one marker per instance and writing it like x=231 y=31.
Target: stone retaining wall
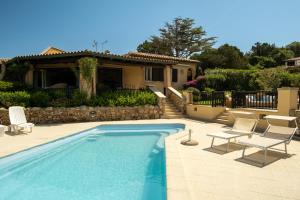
x=83 y=113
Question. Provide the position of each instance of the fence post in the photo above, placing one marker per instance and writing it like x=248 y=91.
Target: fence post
x=233 y=99
x=287 y=100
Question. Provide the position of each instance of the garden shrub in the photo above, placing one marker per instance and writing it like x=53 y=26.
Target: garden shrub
x=6 y=86
x=209 y=90
x=216 y=81
x=109 y=98
x=273 y=78
x=11 y=86
x=56 y=93
x=234 y=79
x=78 y=98
x=19 y=98
x=196 y=93
x=61 y=102
x=39 y=99
x=124 y=98
x=294 y=80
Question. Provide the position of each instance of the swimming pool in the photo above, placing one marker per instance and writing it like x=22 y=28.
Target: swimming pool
x=106 y=162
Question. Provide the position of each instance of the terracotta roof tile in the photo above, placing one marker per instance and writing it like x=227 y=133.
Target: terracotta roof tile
x=99 y=55
x=4 y=59
x=158 y=56
x=292 y=59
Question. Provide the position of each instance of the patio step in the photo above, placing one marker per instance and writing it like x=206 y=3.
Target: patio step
x=224 y=118
x=171 y=111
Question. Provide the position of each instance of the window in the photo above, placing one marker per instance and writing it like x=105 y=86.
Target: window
x=174 y=75
x=154 y=74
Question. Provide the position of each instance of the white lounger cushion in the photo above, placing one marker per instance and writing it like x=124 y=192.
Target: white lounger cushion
x=244 y=125
x=241 y=127
x=229 y=134
x=260 y=141
x=279 y=132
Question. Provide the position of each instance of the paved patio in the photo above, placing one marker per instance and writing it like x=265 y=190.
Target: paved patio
x=197 y=172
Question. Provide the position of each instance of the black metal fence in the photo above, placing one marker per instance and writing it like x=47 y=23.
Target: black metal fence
x=214 y=99
x=254 y=99
x=61 y=92
x=299 y=99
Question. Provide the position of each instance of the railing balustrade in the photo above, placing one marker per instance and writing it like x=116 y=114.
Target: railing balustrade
x=254 y=99
x=216 y=98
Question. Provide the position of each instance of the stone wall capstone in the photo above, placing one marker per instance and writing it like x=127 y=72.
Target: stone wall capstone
x=84 y=114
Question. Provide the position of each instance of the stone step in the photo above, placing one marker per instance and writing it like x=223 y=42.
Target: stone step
x=223 y=117
x=168 y=108
x=171 y=111
x=173 y=116
x=223 y=121
x=169 y=114
x=225 y=113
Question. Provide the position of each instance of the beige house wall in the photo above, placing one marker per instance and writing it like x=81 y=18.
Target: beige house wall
x=133 y=77
x=182 y=74
x=203 y=112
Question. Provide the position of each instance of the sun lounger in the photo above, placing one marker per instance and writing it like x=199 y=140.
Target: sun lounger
x=241 y=127
x=273 y=136
x=18 y=119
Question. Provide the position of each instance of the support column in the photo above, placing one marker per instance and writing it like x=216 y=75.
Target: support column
x=29 y=76
x=167 y=78
x=287 y=100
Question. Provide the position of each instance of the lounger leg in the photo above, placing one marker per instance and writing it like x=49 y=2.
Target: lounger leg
x=212 y=142
x=243 y=155
x=265 y=156
x=227 y=147
x=285 y=148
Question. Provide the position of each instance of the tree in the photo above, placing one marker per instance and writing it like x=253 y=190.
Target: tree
x=226 y=56
x=87 y=68
x=295 y=47
x=155 y=45
x=270 y=79
x=280 y=55
x=179 y=38
x=16 y=71
x=210 y=58
x=233 y=57
x=268 y=55
x=262 y=49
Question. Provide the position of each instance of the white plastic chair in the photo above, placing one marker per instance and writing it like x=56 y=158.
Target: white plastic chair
x=18 y=120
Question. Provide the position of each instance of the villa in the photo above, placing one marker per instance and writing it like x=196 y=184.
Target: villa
x=293 y=62
x=53 y=68
x=111 y=150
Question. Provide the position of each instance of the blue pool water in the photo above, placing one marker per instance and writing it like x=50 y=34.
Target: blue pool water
x=106 y=162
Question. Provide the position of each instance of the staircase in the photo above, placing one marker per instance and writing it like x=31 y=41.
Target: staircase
x=224 y=118
x=171 y=112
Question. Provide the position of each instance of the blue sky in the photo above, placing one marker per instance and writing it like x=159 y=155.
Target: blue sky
x=30 y=26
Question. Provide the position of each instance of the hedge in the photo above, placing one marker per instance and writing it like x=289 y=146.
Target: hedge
x=265 y=79
x=11 y=86
x=45 y=98
x=230 y=79
x=19 y=98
